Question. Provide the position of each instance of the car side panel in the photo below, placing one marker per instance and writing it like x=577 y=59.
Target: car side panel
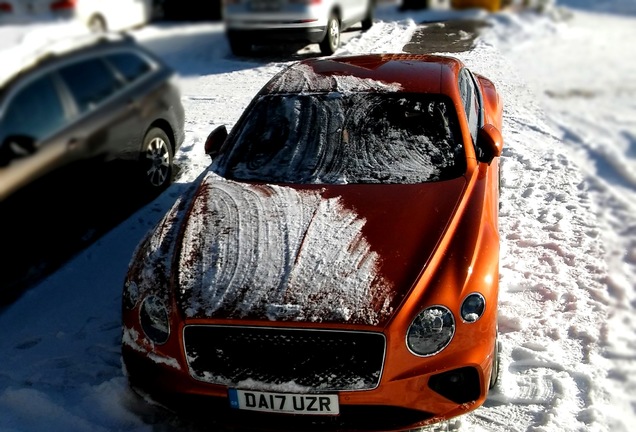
x=353 y=11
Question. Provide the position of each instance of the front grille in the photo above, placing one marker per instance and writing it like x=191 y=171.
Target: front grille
x=313 y=360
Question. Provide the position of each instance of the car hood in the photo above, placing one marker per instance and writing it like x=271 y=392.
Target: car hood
x=334 y=253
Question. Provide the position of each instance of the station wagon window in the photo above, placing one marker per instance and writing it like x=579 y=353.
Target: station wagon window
x=33 y=114
x=90 y=82
x=129 y=64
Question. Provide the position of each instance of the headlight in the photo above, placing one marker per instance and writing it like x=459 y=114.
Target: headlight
x=473 y=307
x=431 y=331
x=153 y=317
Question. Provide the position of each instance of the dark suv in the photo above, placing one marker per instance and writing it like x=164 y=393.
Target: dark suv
x=98 y=98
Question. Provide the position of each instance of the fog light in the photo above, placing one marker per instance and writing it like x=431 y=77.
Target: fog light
x=431 y=331
x=473 y=307
x=459 y=385
x=153 y=317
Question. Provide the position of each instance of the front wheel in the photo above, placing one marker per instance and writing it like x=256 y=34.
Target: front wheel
x=156 y=160
x=239 y=45
x=415 y=4
x=367 y=22
x=331 y=42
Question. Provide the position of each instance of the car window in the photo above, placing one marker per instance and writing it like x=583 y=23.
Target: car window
x=471 y=102
x=90 y=82
x=354 y=138
x=34 y=113
x=129 y=64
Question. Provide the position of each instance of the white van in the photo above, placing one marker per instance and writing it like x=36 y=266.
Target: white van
x=97 y=15
x=250 y=22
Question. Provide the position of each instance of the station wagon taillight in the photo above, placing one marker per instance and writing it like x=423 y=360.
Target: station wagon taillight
x=63 y=4
x=6 y=7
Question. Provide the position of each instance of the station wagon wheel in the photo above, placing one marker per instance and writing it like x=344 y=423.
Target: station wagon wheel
x=156 y=159
x=97 y=24
x=367 y=22
x=239 y=45
x=331 y=42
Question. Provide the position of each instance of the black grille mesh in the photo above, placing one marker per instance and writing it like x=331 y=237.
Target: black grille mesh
x=320 y=360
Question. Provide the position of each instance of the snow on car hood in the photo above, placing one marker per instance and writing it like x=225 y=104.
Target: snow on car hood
x=284 y=253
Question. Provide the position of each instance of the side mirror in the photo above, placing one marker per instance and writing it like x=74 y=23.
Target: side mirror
x=16 y=147
x=215 y=140
x=489 y=143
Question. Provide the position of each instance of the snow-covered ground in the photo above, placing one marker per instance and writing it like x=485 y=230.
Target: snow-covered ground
x=568 y=227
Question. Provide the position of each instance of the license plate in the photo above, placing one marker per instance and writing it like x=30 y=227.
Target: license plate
x=265 y=5
x=312 y=404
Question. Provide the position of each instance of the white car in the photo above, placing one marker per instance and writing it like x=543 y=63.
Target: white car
x=97 y=15
x=250 y=22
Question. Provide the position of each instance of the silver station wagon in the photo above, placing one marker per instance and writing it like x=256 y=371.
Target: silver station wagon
x=251 y=22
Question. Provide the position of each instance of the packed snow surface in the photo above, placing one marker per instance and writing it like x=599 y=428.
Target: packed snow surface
x=567 y=224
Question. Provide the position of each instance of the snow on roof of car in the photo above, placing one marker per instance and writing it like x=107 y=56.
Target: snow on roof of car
x=22 y=46
x=302 y=77
x=368 y=73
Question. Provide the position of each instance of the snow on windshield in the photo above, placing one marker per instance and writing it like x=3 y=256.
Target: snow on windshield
x=292 y=255
x=302 y=78
x=331 y=138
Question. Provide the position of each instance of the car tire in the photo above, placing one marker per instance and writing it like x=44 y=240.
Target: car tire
x=97 y=24
x=239 y=45
x=496 y=365
x=367 y=22
x=331 y=41
x=156 y=160
x=415 y=5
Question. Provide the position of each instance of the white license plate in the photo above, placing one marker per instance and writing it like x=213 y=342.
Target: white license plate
x=290 y=403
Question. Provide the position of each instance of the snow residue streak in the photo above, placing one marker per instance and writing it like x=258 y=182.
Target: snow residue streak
x=302 y=78
x=276 y=252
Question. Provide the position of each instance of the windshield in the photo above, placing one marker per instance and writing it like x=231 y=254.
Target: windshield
x=345 y=138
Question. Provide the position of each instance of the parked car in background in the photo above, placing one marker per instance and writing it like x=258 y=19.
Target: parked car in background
x=258 y=22
x=97 y=15
x=337 y=266
x=93 y=98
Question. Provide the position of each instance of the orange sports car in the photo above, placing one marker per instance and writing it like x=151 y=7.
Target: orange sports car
x=336 y=267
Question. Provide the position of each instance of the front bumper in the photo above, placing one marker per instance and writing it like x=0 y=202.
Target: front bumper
x=408 y=397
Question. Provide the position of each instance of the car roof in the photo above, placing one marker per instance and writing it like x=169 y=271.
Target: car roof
x=33 y=50
x=369 y=72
